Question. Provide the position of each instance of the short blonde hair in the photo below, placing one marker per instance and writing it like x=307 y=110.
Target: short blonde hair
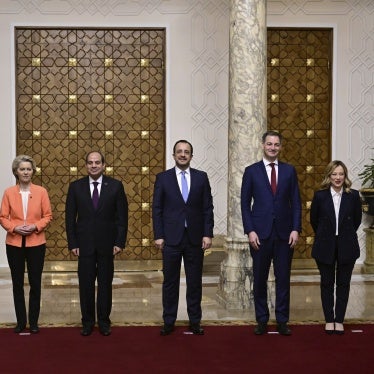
x=22 y=158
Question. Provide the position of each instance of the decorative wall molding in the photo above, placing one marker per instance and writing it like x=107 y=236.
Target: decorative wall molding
x=206 y=66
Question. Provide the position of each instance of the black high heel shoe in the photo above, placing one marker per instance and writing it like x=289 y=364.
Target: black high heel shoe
x=339 y=331
x=329 y=331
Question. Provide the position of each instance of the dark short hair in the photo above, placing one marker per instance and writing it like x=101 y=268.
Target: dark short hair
x=272 y=133
x=183 y=141
x=101 y=155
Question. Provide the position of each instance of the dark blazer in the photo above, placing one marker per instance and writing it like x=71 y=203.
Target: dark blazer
x=170 y=212
x=283 y=210
x=323 y=221
x=102 y=229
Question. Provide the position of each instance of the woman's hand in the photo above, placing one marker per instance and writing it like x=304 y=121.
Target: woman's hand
x=25 y=230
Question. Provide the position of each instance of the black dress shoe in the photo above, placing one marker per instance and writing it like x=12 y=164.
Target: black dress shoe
x=261 y=328
x=196 y=329
x=339 y=332
x=34 y=329
x=283 y=329
x=19 y=328
x=86 y=331
x=105 y=330
x=166 y=330
x=329 y=332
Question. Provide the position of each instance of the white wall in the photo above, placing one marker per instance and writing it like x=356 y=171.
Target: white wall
x=197 y=56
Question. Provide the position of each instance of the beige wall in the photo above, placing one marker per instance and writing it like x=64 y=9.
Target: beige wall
x=197 y=73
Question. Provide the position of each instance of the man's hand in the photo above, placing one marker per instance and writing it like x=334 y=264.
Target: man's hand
x=206 y=243
x=159 y=243
x=254 y=241
x=75 y=251
x=294 y=237
x=116 y=250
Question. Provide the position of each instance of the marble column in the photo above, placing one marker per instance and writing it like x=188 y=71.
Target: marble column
x=247 y=123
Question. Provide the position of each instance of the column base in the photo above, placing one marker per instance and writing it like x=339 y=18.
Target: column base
x=369 y=260
x=236 y=279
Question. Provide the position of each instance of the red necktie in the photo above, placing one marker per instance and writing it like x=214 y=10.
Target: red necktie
x=95 y=195
x=273 y=179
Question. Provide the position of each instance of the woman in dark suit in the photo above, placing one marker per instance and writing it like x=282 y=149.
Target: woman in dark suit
x=335 y=216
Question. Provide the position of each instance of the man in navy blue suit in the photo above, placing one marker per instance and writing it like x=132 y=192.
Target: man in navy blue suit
x=271 y=213
x=183 y=228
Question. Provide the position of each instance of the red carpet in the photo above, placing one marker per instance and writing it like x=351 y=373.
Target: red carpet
x=223 y=349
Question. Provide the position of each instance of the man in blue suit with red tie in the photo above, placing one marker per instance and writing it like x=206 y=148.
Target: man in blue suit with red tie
x=183 y=228
x=271 y=213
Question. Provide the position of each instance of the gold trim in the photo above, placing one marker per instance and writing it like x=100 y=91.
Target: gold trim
x=36 y=61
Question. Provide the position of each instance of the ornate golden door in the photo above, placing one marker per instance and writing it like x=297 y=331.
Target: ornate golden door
x=299 y=106
x=93 y=89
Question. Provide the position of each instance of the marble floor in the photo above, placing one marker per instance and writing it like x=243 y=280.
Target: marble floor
x=137 y=298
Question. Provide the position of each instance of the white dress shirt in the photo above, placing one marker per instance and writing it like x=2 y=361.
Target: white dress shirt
x=336 y=198
x=268 y=168
x=99 y=180
x=179 y=177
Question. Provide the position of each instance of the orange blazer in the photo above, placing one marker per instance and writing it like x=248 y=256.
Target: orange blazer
x=39 y=213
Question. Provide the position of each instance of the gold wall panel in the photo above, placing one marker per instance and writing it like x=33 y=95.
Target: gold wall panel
x=299 y=106
x=85 y=89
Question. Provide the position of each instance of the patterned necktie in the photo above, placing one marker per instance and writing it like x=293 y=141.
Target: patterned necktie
x=273 y=179
x=184 y=186
x=95 y=195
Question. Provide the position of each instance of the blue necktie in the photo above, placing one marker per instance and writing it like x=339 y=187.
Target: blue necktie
x=184 y=186
x=95 y=195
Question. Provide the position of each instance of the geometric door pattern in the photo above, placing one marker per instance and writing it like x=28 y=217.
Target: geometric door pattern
x=85 y=89
x=299 y=106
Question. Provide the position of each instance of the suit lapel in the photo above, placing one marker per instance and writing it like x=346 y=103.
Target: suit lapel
x=103 y=191
x=265 y=175
x=174 y=177
x=330 y=207
x=343 y=207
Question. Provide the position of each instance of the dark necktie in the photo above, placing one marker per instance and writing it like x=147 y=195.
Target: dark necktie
x=273 y=178
x=95 y=195
x=184 y=186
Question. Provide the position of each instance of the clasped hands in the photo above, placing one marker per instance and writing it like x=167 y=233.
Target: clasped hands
x=25 y=230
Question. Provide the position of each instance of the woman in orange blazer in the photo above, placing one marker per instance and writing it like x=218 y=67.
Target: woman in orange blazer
x=25 y=213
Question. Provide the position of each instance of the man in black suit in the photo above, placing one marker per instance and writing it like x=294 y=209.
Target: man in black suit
x=96 y=228
x=183 y=228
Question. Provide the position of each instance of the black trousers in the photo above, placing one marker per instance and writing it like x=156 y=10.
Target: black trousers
x=34 y=258
x=91 y=268
x=193 y=257
x=335 y=286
